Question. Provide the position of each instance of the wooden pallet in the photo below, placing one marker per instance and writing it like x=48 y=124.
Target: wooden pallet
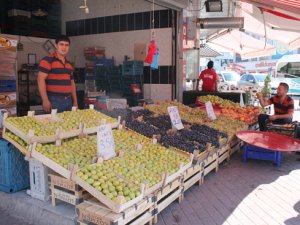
x=236 y=147
x=93 y=212
x=66 y=190
x=165 y=196
x=224 y=154
x=193 y=175
x=211 y=162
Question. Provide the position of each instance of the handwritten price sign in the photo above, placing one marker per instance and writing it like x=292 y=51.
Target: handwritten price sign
x=105 y=142
x=175 y=117
x=210 y=111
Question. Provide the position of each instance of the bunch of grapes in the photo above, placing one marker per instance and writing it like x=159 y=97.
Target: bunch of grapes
x=208 y=131
x=179 y=142
x=142 y=128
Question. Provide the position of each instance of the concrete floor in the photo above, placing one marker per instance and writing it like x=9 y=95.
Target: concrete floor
x=255 y=192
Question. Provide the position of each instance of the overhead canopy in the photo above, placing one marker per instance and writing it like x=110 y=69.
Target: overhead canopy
x=206 y=51
x=290 y=7
x=270 y=24
x=243 y=44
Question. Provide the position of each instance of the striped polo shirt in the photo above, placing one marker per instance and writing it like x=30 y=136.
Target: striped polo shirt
x=287 y=106
x=58 y=81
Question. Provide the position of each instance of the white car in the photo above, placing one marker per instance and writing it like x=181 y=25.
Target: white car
x=250 y=81
x=228 y=80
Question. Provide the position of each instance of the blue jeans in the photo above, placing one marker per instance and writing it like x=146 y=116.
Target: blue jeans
x=264 y=118
x=61 y=103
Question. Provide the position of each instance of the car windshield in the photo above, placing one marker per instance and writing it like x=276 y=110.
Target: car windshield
x=260 y=77
x=231 y=76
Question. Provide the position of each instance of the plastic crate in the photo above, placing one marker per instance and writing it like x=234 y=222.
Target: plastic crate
x=133 y=68
x=7 y=85
x=14 y=170
x=38 y=180
x=253 y=152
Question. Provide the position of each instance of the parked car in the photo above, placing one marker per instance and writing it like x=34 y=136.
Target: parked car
x=255 y=80
x=228 y=80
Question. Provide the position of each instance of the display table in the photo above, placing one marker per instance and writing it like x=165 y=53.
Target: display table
x=266 y=146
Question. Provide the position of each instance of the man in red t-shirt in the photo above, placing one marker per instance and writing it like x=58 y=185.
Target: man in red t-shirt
x=209 y=78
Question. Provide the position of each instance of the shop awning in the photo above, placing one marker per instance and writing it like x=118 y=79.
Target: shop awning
x=290 y=7
x=270 y=24
x=207 y=52
x=243 y=44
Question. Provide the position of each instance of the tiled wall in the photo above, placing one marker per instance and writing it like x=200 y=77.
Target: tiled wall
x=163 y=75
x=120 y=23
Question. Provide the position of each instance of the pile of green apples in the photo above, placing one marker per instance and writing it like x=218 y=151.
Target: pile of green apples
x=103 y=179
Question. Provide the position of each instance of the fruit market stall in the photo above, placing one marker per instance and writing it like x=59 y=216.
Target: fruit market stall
x=154 y=160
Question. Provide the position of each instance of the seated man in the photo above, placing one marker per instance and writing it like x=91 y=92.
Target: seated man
x=283 y=107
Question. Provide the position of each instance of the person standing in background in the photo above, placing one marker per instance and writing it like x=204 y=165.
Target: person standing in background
x=55 y=79
x=209 y=78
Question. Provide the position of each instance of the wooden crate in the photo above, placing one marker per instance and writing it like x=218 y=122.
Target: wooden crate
x=116 y=207
x=93 y=212
x=224 y=153
x=23 y=149
x=211 y=162
x=66 y=190
x=193 y=175
x=50 y=163
x=165 y=196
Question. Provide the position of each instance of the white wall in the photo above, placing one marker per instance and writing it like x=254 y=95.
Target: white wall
x=31 y=45
x=119 y=44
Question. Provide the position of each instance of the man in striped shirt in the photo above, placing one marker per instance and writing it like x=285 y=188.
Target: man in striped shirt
x=283 y=107
x=55 y=79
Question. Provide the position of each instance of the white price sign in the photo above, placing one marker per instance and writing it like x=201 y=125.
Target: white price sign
x=175 y=118
x=105 y=142
x=210 y=111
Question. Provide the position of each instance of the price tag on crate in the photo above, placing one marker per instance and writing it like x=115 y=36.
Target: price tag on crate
x=105 y=142
x=210 y=111
x=175 y=117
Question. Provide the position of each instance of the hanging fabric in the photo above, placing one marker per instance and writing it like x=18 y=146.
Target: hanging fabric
x=154 y=64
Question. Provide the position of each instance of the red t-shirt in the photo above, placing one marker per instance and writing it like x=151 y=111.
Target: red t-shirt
x=209 y=79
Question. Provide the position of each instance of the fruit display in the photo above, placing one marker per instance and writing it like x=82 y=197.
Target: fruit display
x=26 y=123
x=227 y=125
x=16 y=139
x=143 y=128
x=248 y=115
x=106 y=181
x=215 y=100
x=46 y=126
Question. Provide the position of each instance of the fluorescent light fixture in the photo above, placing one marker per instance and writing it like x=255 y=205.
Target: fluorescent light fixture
x=214 y=6
x=220 y=22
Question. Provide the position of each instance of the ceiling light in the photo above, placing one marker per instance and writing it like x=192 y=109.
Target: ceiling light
x=39 y=12
x=85 y=7
x=214 y=6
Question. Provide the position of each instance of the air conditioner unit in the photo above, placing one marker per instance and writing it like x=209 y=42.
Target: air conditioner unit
x=173 y=4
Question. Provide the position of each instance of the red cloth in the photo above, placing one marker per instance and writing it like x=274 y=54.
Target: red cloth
x=151 y=50
x=209 y=79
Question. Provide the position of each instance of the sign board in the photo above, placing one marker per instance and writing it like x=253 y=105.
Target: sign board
x=175 y=117
x=116 y=103
x=210 y=111
x=105 y=142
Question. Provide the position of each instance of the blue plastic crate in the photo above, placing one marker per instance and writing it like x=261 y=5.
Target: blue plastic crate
x=253 y=152
x=133 y=68
x=7 y=85
x=14 y=170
